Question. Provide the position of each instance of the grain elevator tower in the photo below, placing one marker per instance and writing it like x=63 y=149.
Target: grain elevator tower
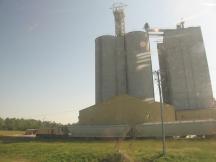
x=123 y=62
x=118 y=11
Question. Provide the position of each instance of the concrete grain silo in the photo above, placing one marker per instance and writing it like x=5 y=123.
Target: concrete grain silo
x=186 y=80
x=123 y=66
x=105 y=73
x=139 y=67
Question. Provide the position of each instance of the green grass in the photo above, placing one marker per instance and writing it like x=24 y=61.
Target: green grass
x=11 y=133
x=19 y=150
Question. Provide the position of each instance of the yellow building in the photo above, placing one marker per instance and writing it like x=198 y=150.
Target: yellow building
x=124 y=109
x=196 y=114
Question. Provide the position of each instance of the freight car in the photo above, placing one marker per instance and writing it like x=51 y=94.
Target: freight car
x=177 y=128
x=99 y=131
x=31 y=131
x=146 y=130
x=51 y=132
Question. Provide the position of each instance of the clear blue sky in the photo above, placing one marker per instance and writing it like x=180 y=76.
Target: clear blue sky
x=47 y=49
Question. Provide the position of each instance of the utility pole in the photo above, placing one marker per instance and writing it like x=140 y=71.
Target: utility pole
x=161 y=108
x=158 y=33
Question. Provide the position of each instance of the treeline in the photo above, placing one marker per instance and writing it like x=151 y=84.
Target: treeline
x=23 y=124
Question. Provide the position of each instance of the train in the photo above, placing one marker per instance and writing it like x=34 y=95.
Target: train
x=146 y=130
x=51 y=132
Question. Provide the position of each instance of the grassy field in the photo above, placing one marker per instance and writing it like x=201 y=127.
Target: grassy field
x=36 y=150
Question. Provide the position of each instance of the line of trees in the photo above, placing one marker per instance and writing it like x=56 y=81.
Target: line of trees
x=23 y=124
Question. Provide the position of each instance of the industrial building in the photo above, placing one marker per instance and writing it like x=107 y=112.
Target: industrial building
x=124 y=84
x=125 y=110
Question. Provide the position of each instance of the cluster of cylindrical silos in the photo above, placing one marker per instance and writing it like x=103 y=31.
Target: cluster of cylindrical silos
x=123 y=66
